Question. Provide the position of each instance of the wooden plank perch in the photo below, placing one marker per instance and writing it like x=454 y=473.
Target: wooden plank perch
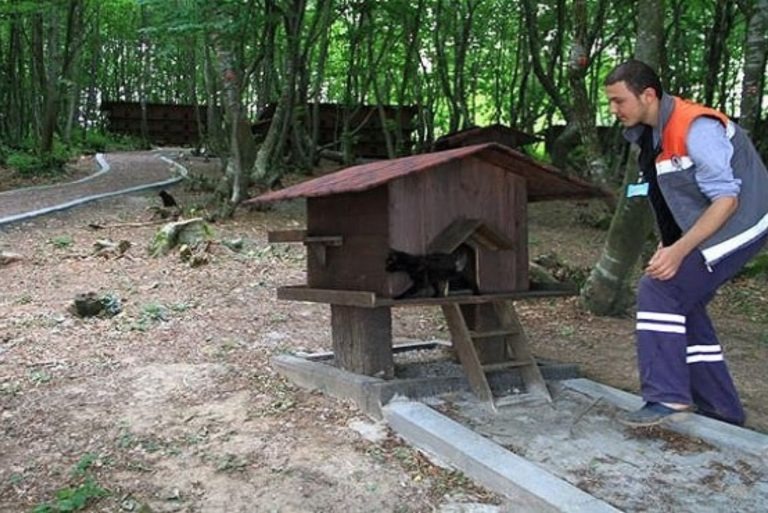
x=316 y=244
x=286 y=236
x=301 y=236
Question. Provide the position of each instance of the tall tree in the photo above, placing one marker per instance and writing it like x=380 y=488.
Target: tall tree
x=755 y=57
x=716 y=48
x=267 y=166
x=233 y=188
x=453 y=31
x=607 y=290
x=583 y=111
x=59 y=61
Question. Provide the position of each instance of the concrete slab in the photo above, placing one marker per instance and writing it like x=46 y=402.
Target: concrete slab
x=568 y=455
x=720 y=434
x=578 y=439
x=529 y=486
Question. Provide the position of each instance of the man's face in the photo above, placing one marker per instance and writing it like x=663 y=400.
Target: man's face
x=629 y=108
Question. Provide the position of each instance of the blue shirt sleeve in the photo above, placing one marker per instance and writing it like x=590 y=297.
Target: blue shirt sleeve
x=711 y=151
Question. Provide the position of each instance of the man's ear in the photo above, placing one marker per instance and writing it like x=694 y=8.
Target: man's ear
x=649 y=94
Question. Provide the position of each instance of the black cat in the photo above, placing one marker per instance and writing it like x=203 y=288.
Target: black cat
x=432 y=274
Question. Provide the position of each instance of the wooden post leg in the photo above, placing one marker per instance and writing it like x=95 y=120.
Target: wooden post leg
x=465 y=348
x=520 y=351
x=362 y=340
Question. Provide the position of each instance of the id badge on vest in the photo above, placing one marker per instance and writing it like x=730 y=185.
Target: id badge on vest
x=635 y=190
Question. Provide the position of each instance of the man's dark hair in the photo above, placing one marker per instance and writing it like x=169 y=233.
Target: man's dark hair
x=637 y=75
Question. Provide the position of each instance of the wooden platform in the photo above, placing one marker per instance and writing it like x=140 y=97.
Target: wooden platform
x=371 y=300
x=485 y=332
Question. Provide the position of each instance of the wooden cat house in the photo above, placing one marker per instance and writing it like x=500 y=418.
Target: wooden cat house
x=472 y=197
x=422 y=204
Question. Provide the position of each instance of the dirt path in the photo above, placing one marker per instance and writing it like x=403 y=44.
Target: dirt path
x=115 y=173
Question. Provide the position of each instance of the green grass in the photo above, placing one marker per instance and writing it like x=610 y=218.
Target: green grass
x=150 y=314
x=79 y=494
x=73 y=498
x=39 y=377
x=61 y=241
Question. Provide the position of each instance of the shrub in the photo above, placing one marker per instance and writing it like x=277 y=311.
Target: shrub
x=26 y=164
x=96 y=141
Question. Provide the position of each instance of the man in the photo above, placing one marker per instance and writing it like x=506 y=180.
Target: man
x=709 y=193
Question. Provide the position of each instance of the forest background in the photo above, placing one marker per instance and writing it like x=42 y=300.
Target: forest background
x=536 y=66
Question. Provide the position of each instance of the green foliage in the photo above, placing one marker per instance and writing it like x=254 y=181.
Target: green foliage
x=84 y=463
x=28 y=162
x=154 y=312
x=746 y=297
x=462 y=63
x=24 y=163
x=61 y=241
x=758 y=266
x=80 y=494
x=74 y=498
x=39 y=377
x=150 y=313
x=99 y=141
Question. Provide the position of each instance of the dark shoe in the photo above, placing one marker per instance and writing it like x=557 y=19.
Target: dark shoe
x=653 y=414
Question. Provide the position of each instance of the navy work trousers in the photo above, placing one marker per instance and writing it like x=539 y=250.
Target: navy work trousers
x=679 y=356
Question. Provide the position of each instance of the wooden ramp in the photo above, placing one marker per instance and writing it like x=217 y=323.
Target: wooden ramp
x=468 y=344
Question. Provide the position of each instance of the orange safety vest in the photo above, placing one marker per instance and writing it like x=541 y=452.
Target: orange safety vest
x=674 y=150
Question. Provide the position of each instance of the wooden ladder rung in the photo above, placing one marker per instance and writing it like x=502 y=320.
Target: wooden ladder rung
x=492 y=367
x=494 y=333
x=517 y=344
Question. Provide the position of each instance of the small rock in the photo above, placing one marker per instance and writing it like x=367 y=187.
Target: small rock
x=234 y=244
x=7 y=258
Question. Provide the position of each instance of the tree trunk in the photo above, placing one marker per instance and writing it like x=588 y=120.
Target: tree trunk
x=607 y=291
x=443 y=71
x=267 y=168
x=409 y=72
x=755 y=56
x=317 y=84
x=716 y=43
x=215 y=137
x=91 y=103
x=15 y=127
x=144 y=77
x=242 y=148
x=583 y=113
x=546 y=78
x=373 y=78
x=51 y=91
x=69 y=72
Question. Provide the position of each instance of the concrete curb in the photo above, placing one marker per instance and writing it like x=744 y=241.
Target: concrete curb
x=720 y=434
x=532 y=488
x=332 y=381
x=369 y=393
x=529 y=486
x=94 y=197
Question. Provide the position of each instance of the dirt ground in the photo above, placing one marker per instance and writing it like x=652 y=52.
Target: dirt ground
x=171 y=405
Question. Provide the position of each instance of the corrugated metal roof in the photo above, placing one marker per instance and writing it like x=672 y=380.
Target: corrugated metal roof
x=543 y=182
